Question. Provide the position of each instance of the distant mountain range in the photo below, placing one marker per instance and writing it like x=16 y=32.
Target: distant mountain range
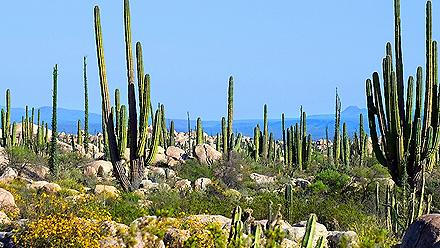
x=316 y=124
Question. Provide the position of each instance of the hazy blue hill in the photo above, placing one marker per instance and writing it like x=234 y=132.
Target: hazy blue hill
x=316 y=124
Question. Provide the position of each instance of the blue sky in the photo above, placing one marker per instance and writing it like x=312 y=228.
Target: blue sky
x=284 y=53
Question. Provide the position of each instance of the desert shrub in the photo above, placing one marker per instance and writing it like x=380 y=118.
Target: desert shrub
x=59 y=230
x=335 y=180
x=192 y=170
x=126 y=208
x=21 y=156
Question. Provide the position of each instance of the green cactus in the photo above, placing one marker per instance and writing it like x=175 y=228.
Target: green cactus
x=131 y=180
x=236 y=230
x=270 y=154
x=4 y=134
x=117 y=111
x=79 y=134
x=377 y=200
x=336 y=139
x=199 y=133
x=53 y=166
x=346 y=146
x=218 y=143
x=172 y=141
x=224 y=135
x=288 y=194
x=307 y=241
x=256 y=242
x=257 y=142
x=264 y=147
x=122 y=135
x=398 y=122
x=164 y=125
x=14 y=134
x=283 y=131
x=237 y=143
x=189 y=134
x=86 y=107
x=230 y=108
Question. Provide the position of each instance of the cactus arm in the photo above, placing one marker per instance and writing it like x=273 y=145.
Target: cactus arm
x=155 y=138
x=372 y=125
x=307 y=241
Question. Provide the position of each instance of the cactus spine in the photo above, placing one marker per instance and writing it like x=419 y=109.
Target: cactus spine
x=53 y=143
x=399 y=128
x=199 y=133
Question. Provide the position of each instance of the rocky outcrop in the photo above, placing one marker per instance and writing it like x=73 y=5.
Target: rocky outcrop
x=423 y=233
x=8 y=175
x=7 y=201
x=99 y=168
x=347 y=239
x=262 y=179
x=183 y=185
x=207 y=154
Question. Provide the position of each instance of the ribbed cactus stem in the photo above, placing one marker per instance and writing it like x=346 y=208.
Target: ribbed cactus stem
x=53 y=144
x=122 y=136
x=230 y=108
x=257 y=142
x=218 y=143
x=307 y=241
x=8 y=116
x=347 y=145
x=336 y=139
x=79 y=134
x=283 y=131
x=264 y=147
x=224 y=135
x=86 y=107
x=172 y=134
x=14 y=134
x=199 y=133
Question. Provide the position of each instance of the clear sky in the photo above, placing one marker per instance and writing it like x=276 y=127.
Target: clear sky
x=283 y=52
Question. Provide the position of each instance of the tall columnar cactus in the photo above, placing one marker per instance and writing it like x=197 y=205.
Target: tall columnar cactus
x=14 y=134
x=230 y=108
x=224 y=135
x=189 y=134
x=218 y=146
x=40 y=130
x=53 y=143
x=283 y=131
x=117 y=111
x=271 y=148
x=265 y=134
x=346 y=146
x=4 y=134
x=164 y=125
x=131 y=180
x=256 y=242
x=396 y=146
x=236 y=230
x=361 y=141
x=172 y=141
x=79 y=134
x=199 y=133
x=6 y=121
x=257 y=143
x=122 y=135
x=86 y=107
x=298 y=145
x=337 y=135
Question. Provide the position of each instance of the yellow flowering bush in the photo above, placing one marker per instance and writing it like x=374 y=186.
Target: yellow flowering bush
x=60 y=230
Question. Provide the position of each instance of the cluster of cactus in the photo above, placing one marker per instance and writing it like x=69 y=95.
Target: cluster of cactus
x=264 y=145
x=408 y=138
x=399 y=212
x=6 y=122
x=360 y=142
x=298 y=145
x=137 y=135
